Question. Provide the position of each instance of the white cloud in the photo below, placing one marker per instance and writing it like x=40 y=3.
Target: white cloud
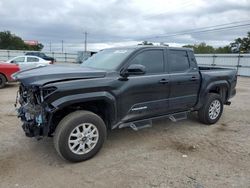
x=118 y=22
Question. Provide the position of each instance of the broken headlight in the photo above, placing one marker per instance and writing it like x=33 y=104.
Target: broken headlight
x=48 y=90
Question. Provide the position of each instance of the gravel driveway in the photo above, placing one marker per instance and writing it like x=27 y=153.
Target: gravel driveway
x=182 y=154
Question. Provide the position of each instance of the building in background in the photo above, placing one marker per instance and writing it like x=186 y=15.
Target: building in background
x=31 y=42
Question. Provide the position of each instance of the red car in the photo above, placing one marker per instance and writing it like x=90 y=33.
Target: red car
x=6 y=70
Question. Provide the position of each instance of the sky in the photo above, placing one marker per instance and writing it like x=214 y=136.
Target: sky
x=113 y=23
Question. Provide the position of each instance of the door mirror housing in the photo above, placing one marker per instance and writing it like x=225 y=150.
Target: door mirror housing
x=134 y=69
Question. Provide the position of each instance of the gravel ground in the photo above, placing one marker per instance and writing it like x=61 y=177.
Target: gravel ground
x=182 y=154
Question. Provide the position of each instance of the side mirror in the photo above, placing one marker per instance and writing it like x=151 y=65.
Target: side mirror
x=134 y=69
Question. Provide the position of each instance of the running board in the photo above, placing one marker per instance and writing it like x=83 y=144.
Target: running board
x=178 y=116
x=141 y=125
x=137 y=125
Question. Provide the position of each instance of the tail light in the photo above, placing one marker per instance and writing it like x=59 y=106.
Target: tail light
x=51 y=62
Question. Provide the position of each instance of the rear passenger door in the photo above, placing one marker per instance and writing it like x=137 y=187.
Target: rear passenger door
x=33 y=61
x=184 y=80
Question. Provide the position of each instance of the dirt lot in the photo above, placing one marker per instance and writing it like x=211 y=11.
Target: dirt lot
x=183 y=154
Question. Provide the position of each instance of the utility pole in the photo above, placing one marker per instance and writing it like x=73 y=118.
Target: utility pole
x=62 y=46
x=49 y=46
x=85 y=41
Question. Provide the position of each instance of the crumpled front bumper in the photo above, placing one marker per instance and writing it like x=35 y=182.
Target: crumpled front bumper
x=33 y=120
x=32 y=111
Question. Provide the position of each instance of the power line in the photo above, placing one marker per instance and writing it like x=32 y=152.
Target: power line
x=219 y=25
x=198 y=31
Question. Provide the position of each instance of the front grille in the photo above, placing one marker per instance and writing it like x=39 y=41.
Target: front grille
x=29 y=95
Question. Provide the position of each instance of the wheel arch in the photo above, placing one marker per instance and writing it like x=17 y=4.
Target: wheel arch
x=6 y=79
x=221 y=87
x=101 y=103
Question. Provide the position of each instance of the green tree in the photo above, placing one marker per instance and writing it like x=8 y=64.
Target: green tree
x=201 y=48
x=10 y=41
x=223 y=50
x=241 y=44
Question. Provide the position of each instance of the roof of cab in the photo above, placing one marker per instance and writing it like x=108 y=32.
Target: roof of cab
x=150 y=46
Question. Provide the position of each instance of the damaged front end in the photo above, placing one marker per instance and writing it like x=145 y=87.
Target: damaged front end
x=33 y=111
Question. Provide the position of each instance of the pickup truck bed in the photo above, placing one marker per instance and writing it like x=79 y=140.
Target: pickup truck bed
x=221 y=77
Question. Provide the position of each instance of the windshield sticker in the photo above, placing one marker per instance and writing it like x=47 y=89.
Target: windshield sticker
x=120 y=51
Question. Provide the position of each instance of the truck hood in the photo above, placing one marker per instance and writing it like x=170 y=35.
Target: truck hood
x=54 y=73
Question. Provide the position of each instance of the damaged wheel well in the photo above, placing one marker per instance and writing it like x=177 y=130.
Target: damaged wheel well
x=99 y=107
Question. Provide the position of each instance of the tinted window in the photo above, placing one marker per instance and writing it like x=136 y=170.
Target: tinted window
x=178 y=61
x=151 y=59
x=32 y=59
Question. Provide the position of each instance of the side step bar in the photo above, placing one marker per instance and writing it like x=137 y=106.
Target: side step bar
x=137 y=125
x=141 y=125
x=178 y=116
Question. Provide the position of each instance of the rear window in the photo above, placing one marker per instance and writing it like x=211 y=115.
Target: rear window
x=178 y=61
x=32 y=59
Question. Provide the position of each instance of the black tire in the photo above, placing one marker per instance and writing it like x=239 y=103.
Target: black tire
x=2 y=81
x=65 y=128
x=203 y=112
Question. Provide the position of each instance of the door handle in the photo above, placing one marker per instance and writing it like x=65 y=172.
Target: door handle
x=193 y=78
x=163 y=81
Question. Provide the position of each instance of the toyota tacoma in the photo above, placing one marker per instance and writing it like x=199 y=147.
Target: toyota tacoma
x=116 y=88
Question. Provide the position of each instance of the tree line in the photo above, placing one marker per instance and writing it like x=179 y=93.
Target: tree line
x=239 y=45
x=9 y=41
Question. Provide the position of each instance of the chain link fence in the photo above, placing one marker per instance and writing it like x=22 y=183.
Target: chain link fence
x=240 y=62
x=59 y=56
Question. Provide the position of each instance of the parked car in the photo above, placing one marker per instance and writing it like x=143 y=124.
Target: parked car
x=116 y=88
x=6 y=70
x=42 y=55
x=28 y=62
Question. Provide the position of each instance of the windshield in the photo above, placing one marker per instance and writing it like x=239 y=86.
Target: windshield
x=109 y=59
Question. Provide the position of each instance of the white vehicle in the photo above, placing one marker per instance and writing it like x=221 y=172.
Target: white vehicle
x=28 y=62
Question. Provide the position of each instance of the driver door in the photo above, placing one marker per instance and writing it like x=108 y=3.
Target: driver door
x=145 y=96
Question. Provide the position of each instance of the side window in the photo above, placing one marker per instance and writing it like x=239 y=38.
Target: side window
x=178 y=61
x=151 y=59
x=18 y=60
x=32 y=59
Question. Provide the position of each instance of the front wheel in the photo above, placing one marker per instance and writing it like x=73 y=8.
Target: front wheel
x=2 y=81
x=79 y=136
x=211 y=111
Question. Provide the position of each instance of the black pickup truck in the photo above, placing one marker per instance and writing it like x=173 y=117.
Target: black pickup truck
x=116 y=88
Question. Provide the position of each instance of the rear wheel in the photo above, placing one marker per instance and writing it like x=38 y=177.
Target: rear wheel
x=211 y=111
x=79 y=136
x=2 y=81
